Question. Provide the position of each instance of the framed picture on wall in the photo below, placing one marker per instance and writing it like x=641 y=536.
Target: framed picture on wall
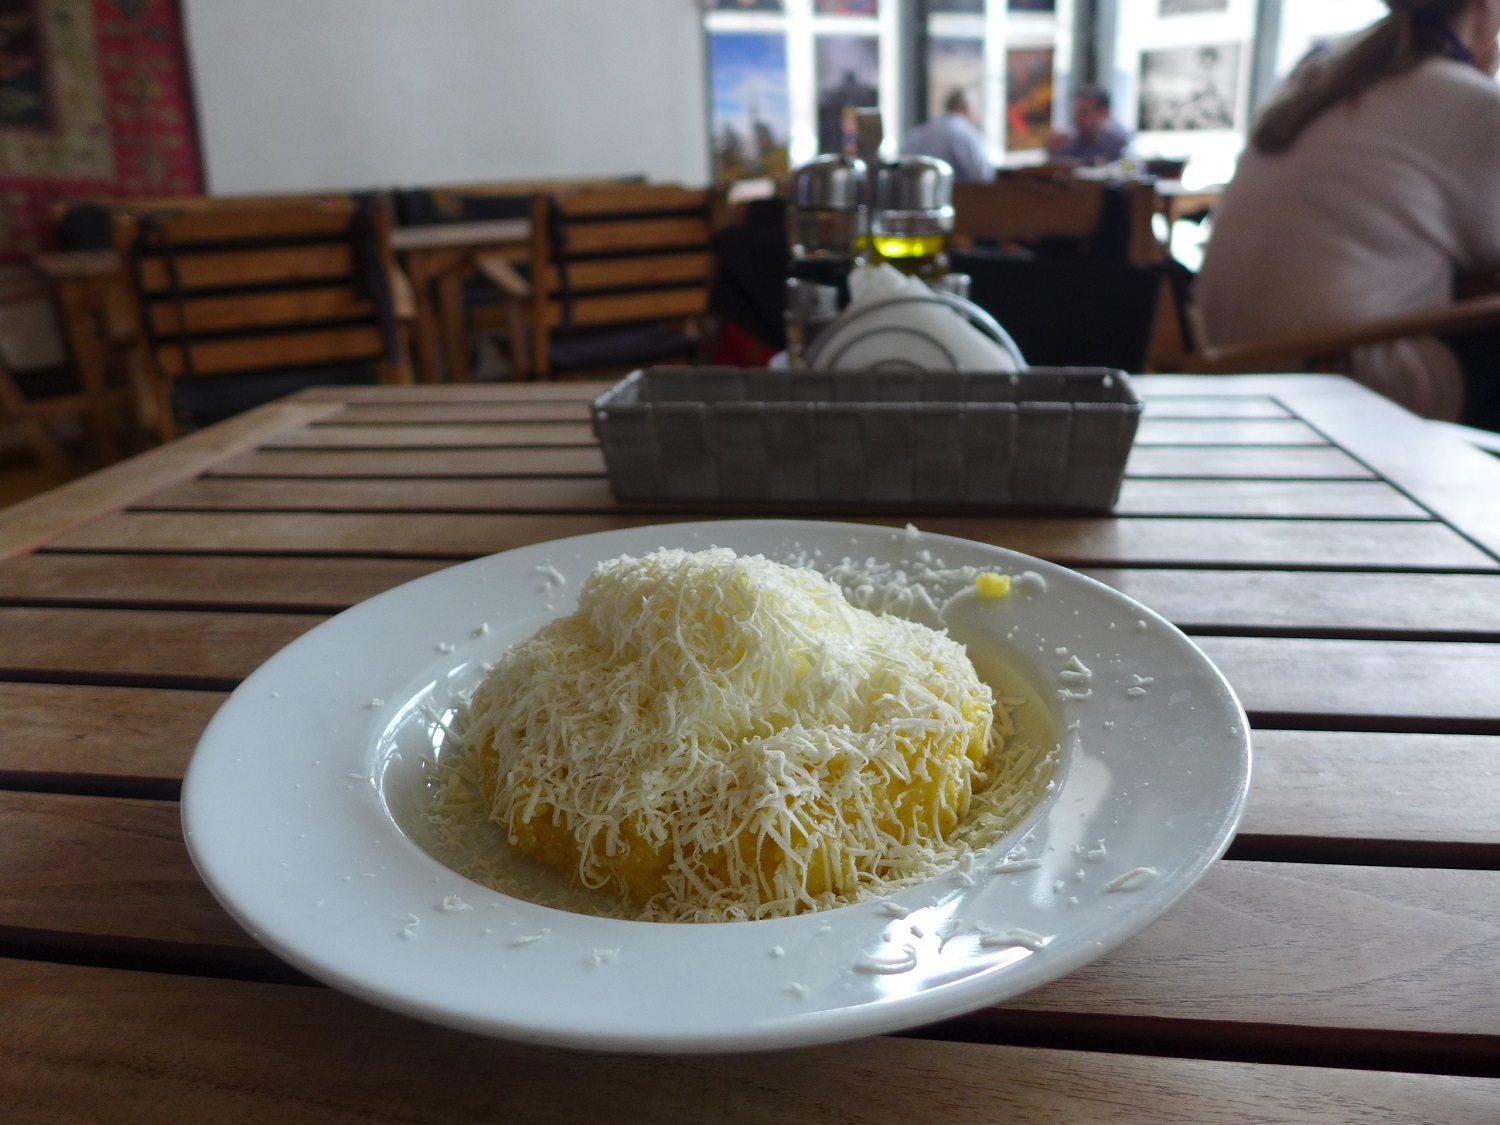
x=1186 y=88
x=846 y=7
x=848 y=74
x=1028 y=98
x=1187 y=7
x=955 y=64
x=749 y=104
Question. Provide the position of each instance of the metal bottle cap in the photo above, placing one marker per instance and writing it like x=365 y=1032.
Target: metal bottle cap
x=914 y=183
x=829 y=183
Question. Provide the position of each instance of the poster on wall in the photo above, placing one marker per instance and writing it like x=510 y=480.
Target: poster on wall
x=94 y=104
x=1028 y=98
x=848 y=73
x=953 y=65
x=749 y=111
x=1189 y=88
x=847 y=7
x=1186 y=7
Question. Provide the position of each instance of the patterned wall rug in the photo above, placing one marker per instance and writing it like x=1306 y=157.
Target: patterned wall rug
x=94 y=103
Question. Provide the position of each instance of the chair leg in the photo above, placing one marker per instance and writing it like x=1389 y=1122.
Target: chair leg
x=520 y=363
x=44 y=443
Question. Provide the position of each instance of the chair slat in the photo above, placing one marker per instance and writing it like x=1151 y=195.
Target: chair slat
x=659 y=304
x=610 y=273
x=289 y=349
x=646 y=197
x=225 y=224
x=207 y=314
x=635 y=234
x=250 y=267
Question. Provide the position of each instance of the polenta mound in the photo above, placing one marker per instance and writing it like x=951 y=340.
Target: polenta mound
x=714 y=738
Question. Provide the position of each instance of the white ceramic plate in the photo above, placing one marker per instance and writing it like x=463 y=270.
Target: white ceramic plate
x=287 y=814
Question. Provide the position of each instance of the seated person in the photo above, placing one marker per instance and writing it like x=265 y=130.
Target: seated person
x=954 y=138
x=1371 y=179
x=1096 y=137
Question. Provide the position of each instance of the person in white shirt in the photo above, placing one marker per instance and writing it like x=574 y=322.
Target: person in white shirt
x=1371 y=180
x=952 y=137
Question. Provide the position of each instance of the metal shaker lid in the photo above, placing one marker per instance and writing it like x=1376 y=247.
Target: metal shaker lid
x=829 y=183
x=914 y=183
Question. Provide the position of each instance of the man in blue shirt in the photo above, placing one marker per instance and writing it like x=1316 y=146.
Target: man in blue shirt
x=954 y=138
x=1096 y=137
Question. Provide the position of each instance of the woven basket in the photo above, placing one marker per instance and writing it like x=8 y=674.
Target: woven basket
x=1043 y=438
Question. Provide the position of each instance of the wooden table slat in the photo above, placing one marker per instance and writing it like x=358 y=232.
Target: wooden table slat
x=433 y=436
x=559 y=390
x=392 y=413
x=1334 y=601
x=1330 y=785
x=118 y=869
x=187 y=647
x=1078 y=542
x=102 y=1045
x=1434 y=682
x=1286 y=499
x=537 y=461
x=1156 y=430
x=1214 y=406
x=1239 y=462
x=1367 y=786
x=101 y=732
x=220 y=581
x=1309 y=602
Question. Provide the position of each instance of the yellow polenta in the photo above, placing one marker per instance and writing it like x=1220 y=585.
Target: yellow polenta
x=713 y=737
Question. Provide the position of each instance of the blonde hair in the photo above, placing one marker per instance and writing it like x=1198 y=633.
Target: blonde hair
x=1416 y=30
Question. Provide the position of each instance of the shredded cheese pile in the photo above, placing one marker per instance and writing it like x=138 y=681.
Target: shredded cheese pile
x=710 y=738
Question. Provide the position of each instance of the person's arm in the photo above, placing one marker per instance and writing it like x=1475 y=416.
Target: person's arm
x=974 y=164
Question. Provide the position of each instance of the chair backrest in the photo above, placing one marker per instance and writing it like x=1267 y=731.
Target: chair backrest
x=1070 y=313
x=1028 y=209
x=625 y=255
x=239 y=289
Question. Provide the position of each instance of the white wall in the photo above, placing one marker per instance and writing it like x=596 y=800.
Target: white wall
x=319 y=94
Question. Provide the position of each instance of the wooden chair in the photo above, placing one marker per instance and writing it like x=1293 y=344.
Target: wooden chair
x=1027 y=209
x=617 y=277
x=1329 y=349
x=240 y=305
x=34 y=400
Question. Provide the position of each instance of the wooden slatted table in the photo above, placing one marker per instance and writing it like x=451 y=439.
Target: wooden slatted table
x=1338 y=558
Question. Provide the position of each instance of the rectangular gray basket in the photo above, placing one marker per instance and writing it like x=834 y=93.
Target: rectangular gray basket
x=1045 y=438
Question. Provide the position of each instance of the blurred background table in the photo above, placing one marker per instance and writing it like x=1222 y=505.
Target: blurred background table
x=1338 y=558
x=436 y=259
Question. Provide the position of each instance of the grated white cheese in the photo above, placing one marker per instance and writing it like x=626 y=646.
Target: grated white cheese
x=1015 y=866
x=719 y=738
x=997 y=939
x=1132 y=880
x=903 y=964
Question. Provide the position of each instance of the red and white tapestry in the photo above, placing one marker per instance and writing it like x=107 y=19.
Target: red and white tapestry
x=94 y=104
